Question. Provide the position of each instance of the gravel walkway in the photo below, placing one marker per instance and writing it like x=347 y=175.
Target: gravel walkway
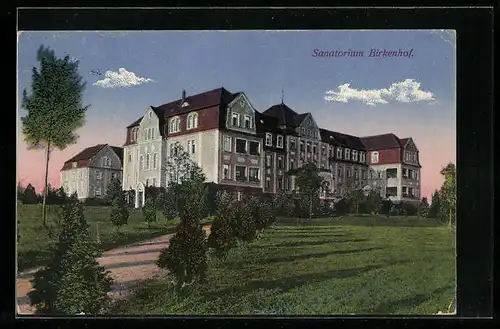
x=128 y=265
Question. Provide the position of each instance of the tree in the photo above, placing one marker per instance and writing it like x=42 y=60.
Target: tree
x=222 y=237
x=186 y=256
x=54 y=107
x=386 y=207
x=72 y=282
x=30 y=196
x=435 y=207
x=309 y=184
x=114 y=190
x=119 y=212
x=20 y=191
x=243 y=222
x=424 y=207
x=170 y=207
x=448 y=191
x=149 y=211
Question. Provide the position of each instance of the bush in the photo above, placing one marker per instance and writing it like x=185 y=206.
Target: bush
x=29 y=195
x=243 y=223
x=73 y=282
x=342 y=207
x=149 y=211
x=221 y=237
x=170 y=202
x=99 y=202
x=385 y=207
x=119 y=213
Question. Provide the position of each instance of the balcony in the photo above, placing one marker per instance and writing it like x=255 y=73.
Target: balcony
x=392 y=182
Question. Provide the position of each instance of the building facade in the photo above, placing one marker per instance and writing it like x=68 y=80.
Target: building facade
x=89 y=172
x=246 y=151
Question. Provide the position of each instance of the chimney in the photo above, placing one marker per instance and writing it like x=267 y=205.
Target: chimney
x=183 y=96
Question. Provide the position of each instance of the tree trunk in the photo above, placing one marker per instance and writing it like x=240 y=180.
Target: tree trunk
x=451 y=216
x=47 y=157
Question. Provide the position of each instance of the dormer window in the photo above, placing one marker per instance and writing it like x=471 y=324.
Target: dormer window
x=134 y=134
x=375 y=157
x=192 y=120
x=150 y=114
x=279 y=141
x=235 y=117
x=184 y=104
x=74 y=164
x=269 y=139
x=347 y=154
x=362 y=157
x=248 y=122
x=175 y=125
x=339 y=153
x=354 y=155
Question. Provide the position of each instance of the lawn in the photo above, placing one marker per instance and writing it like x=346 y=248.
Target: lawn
x=353 y=265
x=33 y=246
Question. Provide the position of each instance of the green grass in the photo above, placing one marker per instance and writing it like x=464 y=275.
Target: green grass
x=335 y=267
x=33 y=246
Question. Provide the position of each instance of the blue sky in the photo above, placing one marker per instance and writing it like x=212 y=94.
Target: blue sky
x=262 y=63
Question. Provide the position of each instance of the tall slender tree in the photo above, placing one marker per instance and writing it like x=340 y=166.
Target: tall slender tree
x=448 y=190
x=54 y=107
x=309 y=184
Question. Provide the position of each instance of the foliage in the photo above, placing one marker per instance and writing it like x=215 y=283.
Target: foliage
x=20 y=191
x=54 y=107
x=119 y=212
x=342 y=207
x=435 y=207
x=94 y=201
x=29 y=196
x=170 y=206
x=149 y=211
x=424 y=207
x=243 y=223
x=114 y=190
x=73 y=281
x=385 y=207
x=221 y=237
x=448 y=191
x=309 y=184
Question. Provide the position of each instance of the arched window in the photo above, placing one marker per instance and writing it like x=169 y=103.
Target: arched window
x=175 y=125
x=141 y=162
x=192 y=120
x=375 y=157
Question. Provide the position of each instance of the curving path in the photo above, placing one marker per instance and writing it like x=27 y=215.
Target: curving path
x=129 y=265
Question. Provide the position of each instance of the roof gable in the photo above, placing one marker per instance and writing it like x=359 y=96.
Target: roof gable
x=284 y=114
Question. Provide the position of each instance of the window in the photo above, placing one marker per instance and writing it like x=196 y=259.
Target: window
x=405 y=173
x=323 y=149
x=415 y=157
x=292 y=164
x=248 y=122
x=293 y=144
x=191 y=146
x=239 y=173
x=348 y=173
x=268 y=160
x=225 y=171
x=279 y=181
x=356 y=174
x=301 y=146
x=192 y=120
x=354 y=155
x=97 y=191
x=153 y=182
x=339 y=153
x=74 y=175
x=308 y=147
x=241 y=146
x=362 y=157
x=147 y=181
x=392 y=172
x=175 y=125
x=153 y=133
x=227 y=144
x=155 y=160
x=279 y=141
x=347 y=154
x=141 y=162
x=253 y=174
x=268 y=182
x=238 y=195
x=374 y=157
x=269 y=139
x=280 y=162
x=147 y=162
x=254 y=148
x=314 y=148
x=235 y=119
x=98 y=175
x=363 y=174
x=391 y=191
x=149 y=134
x=134 y=134
x=130 y=157
x=411 y=192
x=303 y=131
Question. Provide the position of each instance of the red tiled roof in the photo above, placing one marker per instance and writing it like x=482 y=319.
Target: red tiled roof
x=379 y=142
x=82 y=159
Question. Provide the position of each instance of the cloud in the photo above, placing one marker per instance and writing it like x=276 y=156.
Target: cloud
x=122 y=78
x=407 y=91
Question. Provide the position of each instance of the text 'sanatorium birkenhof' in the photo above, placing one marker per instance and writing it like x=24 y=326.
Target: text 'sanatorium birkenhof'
x=373 y=52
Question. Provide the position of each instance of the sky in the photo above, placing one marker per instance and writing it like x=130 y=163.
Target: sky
x=412 y=95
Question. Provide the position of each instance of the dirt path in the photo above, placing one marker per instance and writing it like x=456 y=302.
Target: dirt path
x=128 y=265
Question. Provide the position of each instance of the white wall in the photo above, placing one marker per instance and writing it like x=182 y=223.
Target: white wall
x=76 y=179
